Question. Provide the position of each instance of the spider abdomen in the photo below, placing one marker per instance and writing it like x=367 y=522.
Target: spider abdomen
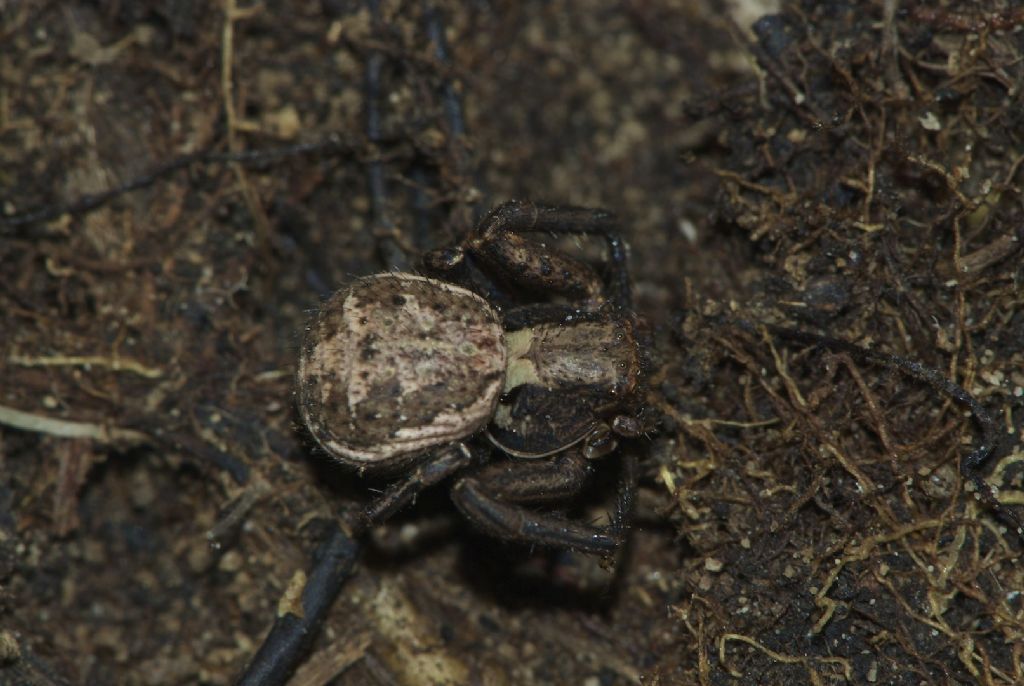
x=397 y=364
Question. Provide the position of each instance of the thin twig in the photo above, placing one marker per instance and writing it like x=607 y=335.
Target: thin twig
x=50 y=210
x=971 y=464
x=114 y=363
x=63 y=428
x=292 y=631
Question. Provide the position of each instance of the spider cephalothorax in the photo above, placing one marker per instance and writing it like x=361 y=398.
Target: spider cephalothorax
x=401 y=371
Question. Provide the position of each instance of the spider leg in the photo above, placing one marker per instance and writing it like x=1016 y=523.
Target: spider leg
x=535 y=314
x=494 y=498
x=499 y=243
x=333 y=565
x=401 y=493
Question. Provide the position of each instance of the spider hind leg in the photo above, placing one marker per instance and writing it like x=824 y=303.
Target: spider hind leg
x=494 y=499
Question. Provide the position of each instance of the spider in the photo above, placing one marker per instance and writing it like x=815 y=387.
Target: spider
x=546 y=386
x=402 y=372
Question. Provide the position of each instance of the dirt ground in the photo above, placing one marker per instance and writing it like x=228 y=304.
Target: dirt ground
x=850 y=169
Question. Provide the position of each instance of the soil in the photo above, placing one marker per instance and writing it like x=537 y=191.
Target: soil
x=807 y=513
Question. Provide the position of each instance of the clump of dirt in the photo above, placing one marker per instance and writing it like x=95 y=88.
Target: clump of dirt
x=874 y=168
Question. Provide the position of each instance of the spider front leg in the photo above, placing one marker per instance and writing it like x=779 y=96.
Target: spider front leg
x=498 y=243
x=494 y=498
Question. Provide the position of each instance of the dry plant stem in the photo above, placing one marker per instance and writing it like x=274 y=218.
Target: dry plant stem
x=291 y=633
x=52 y=210
x=458 y=148
x=63 y=428
x=384 y=229
x=114 y=363
x=803 y=107
x=231 y=15
x=971 y=464
x=876 y=413
x=331 y=661
x=806 y=662
x=114 y=435
x=333 y=563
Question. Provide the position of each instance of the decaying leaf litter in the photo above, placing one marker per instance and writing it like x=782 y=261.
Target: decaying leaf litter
x=848 y=169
